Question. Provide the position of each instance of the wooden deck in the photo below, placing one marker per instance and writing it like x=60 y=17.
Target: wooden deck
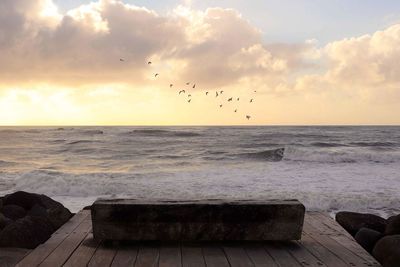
x=324 y=243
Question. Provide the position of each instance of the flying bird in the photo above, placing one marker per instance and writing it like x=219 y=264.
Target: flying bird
x=194 y=85
x=155 y=75
x=251 y=100
x=221 y=92
x=255 y=91
x=216 y=94
x=220 y=106
x=189 y=95
x=206 y=93
x=182 y=91
x=187 y=83
x=148 y=63
x=189 y=100
x=121 y=59
x=171 y=85
x=237 y=99
x=235 y=110
x=229 y=99
x=248 y=117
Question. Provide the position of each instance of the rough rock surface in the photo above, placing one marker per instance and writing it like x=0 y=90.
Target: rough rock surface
x=28 y=219
x=352 y=222
x=13 y=212
x=387 y=251
x=393 y=225
x=367 y=238
x=27 y=232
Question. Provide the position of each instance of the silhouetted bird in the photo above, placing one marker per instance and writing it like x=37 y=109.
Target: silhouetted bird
x=206 y=93
x=155 y=75
x=220 y=106
x=229 y=99
x=248 y=117
x=221 y=92
x=237 y=99
x=121 y=59
x=216 y=94
x=171 y=85
x=187 y=83
x=149 y=62
x=235 y=110
x=255 y=91
x=182 y=91
x=251 y=100
x=189 y=95
x=189 y=100
x=194 y=85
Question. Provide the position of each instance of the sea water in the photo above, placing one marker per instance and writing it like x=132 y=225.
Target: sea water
x=327 y=168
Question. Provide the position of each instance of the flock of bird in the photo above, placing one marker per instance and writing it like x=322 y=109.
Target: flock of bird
x=193 y=86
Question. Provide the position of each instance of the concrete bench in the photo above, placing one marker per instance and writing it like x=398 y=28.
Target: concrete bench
x=130 y=219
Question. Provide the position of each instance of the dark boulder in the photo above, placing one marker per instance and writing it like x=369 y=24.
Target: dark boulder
x=13 y=212
x=367 y=238
x=38 y=210
x=57 y=213
x=27 y=232
x=387 y=251
x=353 y=221
x=22 y=199
x=4 y=221
x=393 y=225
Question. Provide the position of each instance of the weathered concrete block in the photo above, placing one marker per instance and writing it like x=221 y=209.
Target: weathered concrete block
x=130 y=219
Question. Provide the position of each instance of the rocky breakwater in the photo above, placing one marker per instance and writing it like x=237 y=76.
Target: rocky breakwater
x=27 y=219
x=379 y=236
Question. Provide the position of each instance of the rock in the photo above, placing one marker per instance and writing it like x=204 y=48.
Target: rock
x=393 y=225
x=13 y=212
x=4 y=221
x=22 y=199
x=57 y=213
x=38 y=210
x=387 y=251
x=353 y=221
x=27 y=232
x=89 y=207
x=367 y=238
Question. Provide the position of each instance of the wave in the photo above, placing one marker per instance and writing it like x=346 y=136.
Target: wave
x=375 y=144
x=349 y=156
x=325 y=144
x=4 y=163
x=162 y=133
x=267 y=155
x=80 y=142
x=91 y=132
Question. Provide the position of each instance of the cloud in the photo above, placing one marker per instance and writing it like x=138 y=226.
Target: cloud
x=216 y=48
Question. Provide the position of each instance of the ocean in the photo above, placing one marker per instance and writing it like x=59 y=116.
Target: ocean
x=328 y=168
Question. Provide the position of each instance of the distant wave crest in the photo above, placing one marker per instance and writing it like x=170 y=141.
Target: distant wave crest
x=162 y=133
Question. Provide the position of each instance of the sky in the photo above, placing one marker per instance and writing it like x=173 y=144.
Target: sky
x=305 y=62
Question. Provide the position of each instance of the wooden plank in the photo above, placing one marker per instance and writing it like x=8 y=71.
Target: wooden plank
x=170 y=256
x=42 y=251
x=237 y=256
x=320 y=252
x=346 y=255
x=11 y=256
x=192 y=256
x=126 y=256
x=148 y=256
x=214 y=256
x=342 y=237
x=259 y=256
x=103 y=256
x=61 y=254
x=302 y=255
x=281 y=255
x=83 y=254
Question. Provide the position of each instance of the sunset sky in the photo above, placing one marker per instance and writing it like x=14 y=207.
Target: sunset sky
x=310 y=62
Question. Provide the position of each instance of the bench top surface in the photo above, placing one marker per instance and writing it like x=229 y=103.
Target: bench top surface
x=212 y=202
